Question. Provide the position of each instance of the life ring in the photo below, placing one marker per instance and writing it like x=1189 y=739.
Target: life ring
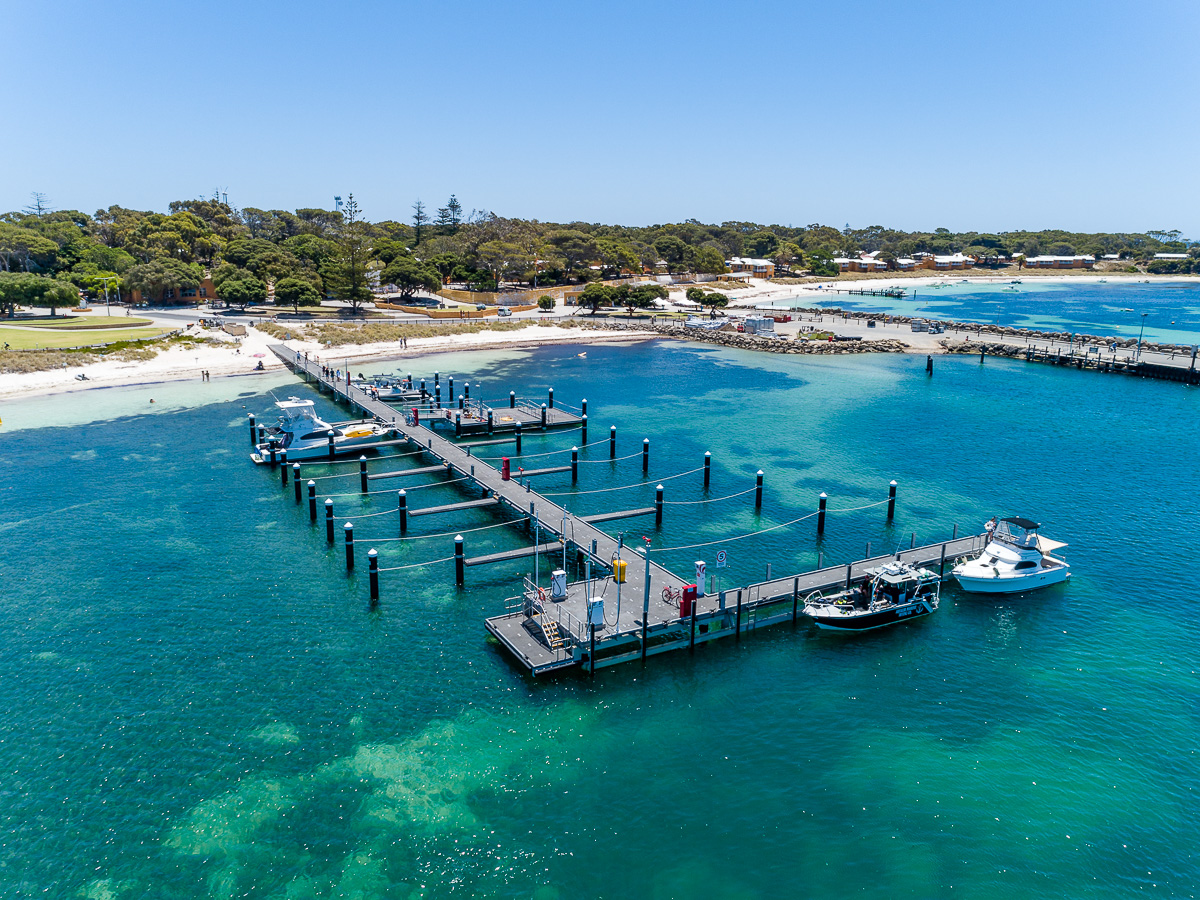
x=542 y=595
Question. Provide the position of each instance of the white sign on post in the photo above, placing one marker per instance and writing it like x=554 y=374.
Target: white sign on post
x=721 y=557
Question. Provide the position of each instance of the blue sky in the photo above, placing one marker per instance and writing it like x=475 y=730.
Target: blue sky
x=914 y=115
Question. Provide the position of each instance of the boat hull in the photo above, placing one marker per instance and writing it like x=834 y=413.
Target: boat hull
x=1017 y=584
x=869 y=621
x=320 y=450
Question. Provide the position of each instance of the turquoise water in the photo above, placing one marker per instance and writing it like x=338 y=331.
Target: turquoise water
x=200 y=704
x=1083 y=307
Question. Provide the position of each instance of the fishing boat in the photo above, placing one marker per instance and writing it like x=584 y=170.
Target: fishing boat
x=387 y=388
x=304 y=435
x=1016 y=558
x=891 y=593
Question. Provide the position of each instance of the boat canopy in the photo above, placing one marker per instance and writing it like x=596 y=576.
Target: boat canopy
x=1045 y=545
x=1024 y=524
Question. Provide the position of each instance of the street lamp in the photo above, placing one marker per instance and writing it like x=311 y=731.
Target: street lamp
x=1140 y=330
x=106 y=279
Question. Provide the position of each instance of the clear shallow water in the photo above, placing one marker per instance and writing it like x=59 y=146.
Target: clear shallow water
x=199 y=703
x=1081 y=307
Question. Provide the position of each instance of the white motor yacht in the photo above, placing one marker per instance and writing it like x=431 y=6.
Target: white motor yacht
x=304 y=435
x=1015 y=559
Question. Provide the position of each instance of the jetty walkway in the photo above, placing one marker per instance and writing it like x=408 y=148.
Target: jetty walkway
x=564 y=626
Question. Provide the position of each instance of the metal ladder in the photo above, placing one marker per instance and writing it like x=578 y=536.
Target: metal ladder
x=549 y=627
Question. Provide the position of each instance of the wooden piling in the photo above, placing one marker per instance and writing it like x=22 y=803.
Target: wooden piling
x=459 y=567
x=362 y=474
x=707 y=468
x=658 y=506
x=512 y=399
x=795 y=599
x=929 y=364
x=550 y=400
x=467 y=389
x=612 y=442
x=583 y=422
x=758 y=486
x=491 y=424
x=329 y=522
x=274 y=455
x=458 y=423
x=891 y=513
x=283 y=465
x=574 y=464
x=296 y=481
x=821 y=501
x=402 y=506
x=543 y=416
x=942 y=564
x=329 y=435
x=253 y=431
x=517 y=432
x=312 y=500
x=645 y=455
x=583 y=407
x=349 y=529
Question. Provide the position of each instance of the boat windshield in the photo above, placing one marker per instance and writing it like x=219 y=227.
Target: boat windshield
x=1017 y=532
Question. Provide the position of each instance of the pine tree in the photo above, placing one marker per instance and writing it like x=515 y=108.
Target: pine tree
x=455 y=210
x=346 y=275
x=420 y=219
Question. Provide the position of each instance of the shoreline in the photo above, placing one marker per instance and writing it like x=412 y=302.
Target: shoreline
x=237 y=361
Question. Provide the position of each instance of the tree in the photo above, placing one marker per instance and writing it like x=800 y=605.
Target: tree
x=715 y=300
x=37 y=205
x=596 y=295
x=345 y=273
x=411 y=275
x=152 y=279
x=35 y=290
x=546 y=302
x=708 y=261
x=296 y=292
x=643 y=296
x=456 y=214
x=19 y=246
x=695 y=294
x=243 y=290
x=420 y=220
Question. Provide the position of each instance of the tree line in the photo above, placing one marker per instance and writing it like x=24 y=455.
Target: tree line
x=302 y=256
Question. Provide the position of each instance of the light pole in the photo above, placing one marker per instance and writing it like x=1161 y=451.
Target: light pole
x=106 y=279
x=1140 y=330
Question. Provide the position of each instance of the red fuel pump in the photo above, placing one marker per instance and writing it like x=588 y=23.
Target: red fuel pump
x=686 y=601
x=504 y=469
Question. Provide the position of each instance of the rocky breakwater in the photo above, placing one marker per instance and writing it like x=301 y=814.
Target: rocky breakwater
x=991 y=348
x=761 y=344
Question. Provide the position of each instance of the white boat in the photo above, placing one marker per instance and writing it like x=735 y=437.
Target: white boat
x=304 y=435
x=894 y=592
x=1015 y=559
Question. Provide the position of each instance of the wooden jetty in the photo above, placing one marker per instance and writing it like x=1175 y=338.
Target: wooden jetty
x=895 y=293
x=1101 y=362
x=544 y=632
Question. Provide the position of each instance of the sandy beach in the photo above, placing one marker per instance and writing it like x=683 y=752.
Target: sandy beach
x=231 y=358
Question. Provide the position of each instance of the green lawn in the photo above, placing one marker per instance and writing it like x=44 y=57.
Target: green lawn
x=46 y=340
x=87 y=322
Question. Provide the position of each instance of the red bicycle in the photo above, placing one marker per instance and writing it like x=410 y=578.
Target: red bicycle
x=672 y=596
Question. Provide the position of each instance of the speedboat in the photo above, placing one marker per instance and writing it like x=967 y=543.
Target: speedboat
x=304 y=435
x=891 y=593
x=1016 y=558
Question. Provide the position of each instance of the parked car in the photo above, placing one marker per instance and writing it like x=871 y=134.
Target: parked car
x=504 y=311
